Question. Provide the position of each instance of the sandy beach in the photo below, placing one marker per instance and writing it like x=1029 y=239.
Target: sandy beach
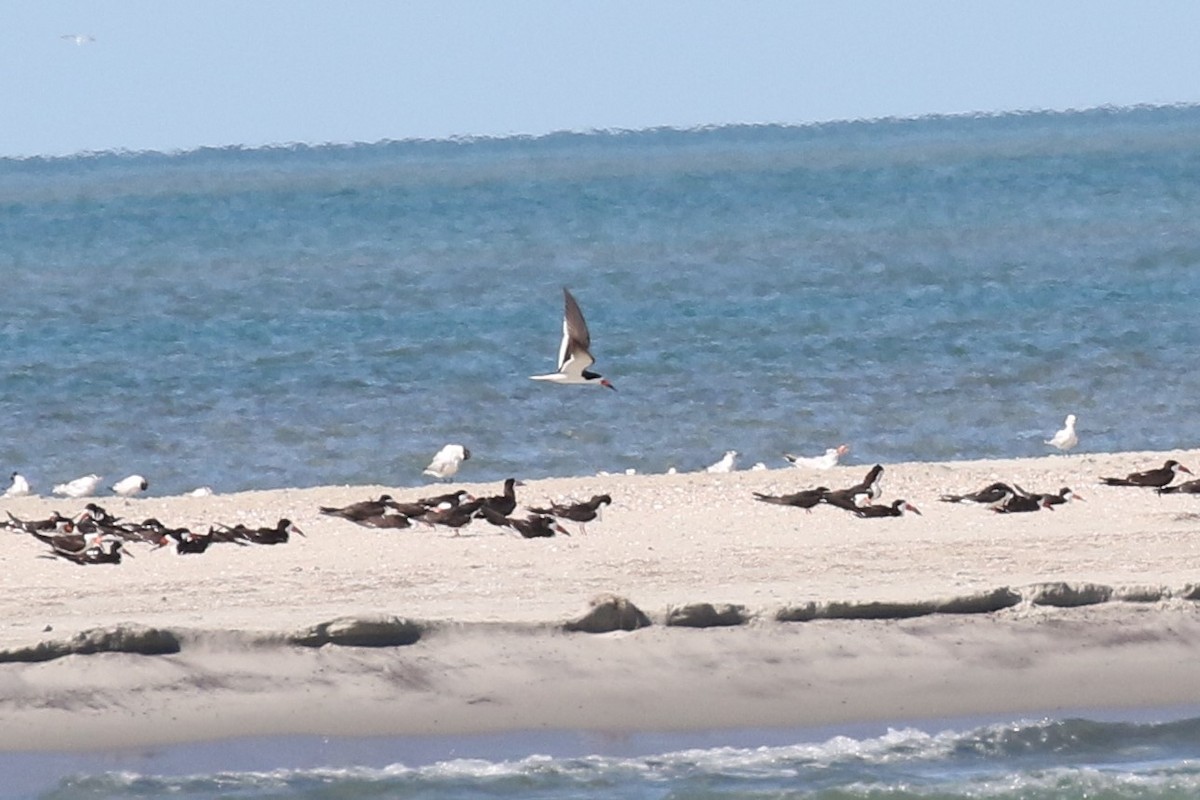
x=758 y=615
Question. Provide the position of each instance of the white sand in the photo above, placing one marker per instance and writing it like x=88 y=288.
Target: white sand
x=494 y=657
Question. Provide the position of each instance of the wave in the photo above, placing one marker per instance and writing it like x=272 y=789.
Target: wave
x=1026 y=759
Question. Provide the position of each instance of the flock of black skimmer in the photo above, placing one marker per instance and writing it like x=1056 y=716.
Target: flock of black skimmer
x=93 y=536
x=457 y=509
x=858 y=499
x=1003 y=498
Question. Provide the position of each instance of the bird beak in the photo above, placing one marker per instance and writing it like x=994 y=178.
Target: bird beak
x=1182 y=468
x=609 y=385
x=1077 y=496
x=914 y=509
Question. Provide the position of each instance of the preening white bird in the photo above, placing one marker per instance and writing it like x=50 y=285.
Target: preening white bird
x=1066 y=438
x=826 y=460
x=725 y=464
x=80 y=487
x=128 y=487
x=19 y=486
x=447 y=461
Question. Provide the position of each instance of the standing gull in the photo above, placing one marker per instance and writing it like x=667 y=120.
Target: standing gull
x=80 y=487
x=725 y=464
x=128 y=487
x=574 y=353
x=447 y=461
x=826 y=460
x=1065 y=439
x=19 y=487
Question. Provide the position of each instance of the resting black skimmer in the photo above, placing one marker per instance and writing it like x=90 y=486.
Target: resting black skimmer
x=537 y=526
x=1188 y=487
x=1153 y=478
x=1064 y=495
x=805 y=499
x=582 y=513
x=992 y=493
x=361 y=510
x=848 y=498
x=505 y=503
x=452 y=517
x=105 y=551
x=896 y=509
x=385 y=521
x=277 y=535
x=1013 y=503
x=574 y=353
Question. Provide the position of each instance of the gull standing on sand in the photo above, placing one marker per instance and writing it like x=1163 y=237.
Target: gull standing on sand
x=80 y=487
x=574 y=353
x=826 y=460
x=1066 y=438
x=128 y=487
x=725 y=464
x=447 y=461
x=19 y=486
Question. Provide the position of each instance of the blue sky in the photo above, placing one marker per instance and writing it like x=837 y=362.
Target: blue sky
x=178 y=75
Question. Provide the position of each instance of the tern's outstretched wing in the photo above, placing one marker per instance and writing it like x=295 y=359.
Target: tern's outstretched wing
x=574 y=354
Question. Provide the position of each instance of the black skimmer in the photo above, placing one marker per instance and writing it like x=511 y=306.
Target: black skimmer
x=437 y=501
x=1014 y=503
x=54 y=522
x=361 y=510
x=452 y=517
x=826 y=460
x=65 y=537
x=1153 y=478
x=538 y=526
x=282 y=531
x=1188 y=487
x=80 y=487
x=385 y=520
x=1064 y=495
x=725 y=464
x=869 y=489
x=19 y=487
x=896 y=509
x=805 y=499
x=505 y=503
x=100 y=514
x=992 y=493
x=105 y=551
x=582 y=513
x=446 y=462
x=1065 y=439
x=128 y=487
x=574 y=353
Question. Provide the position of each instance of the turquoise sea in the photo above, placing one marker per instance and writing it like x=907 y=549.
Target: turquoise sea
x=924 y=289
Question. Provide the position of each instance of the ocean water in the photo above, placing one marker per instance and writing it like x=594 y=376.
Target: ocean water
x=1026 y=760
x=922 y=289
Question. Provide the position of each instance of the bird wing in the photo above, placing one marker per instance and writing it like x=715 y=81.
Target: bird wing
x=574 y=354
